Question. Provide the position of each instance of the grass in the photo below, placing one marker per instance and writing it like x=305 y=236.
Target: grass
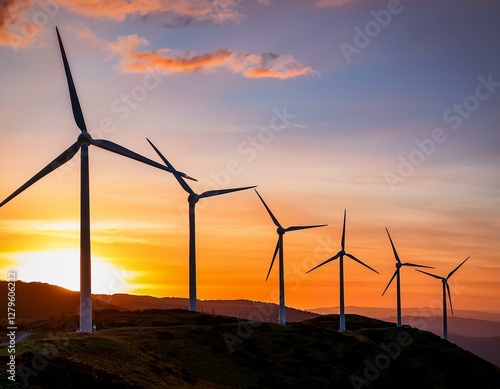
x=181 y=349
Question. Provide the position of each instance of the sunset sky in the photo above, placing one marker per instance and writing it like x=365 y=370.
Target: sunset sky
x=388 y=109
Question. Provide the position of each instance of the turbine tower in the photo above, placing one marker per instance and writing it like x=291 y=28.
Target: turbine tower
x=193 y=198
x=396 y=274
x=83 y=142
x=446 y=288
x=279 y=247
x=341 y=255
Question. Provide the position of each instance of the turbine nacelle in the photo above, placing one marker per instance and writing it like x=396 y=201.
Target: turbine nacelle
x=193 y=198
x=84 y=139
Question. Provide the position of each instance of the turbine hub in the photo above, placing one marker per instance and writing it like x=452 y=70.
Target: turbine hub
x=398 y=265
x=84 y=138
x=280 y=230
x=193 y=198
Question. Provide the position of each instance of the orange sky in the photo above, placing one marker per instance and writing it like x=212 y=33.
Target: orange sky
x=260 y=94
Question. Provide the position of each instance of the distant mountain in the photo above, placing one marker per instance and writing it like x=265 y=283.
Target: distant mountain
x=36 y=300
x=157 y=349
x=245 y=309
x=384 y=313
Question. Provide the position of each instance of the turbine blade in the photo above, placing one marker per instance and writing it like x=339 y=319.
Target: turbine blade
x=342 y=243
x=362 y=263
x=75 y=103
x=415 y=265
x=430 y=274
x=179 y=178
x=393 y=247
x=59 y=161
x=210 y=193
x=275 y=221
x=325 y=262
x=274 y=257
x=454 y=270
x=115 y=148
x=394 y=275
x=449 y=297
x=295 y=228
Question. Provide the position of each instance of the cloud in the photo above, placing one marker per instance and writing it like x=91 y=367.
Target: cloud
x=15 y=29
x=332 y=3
x=171 y=12
x=132 y=60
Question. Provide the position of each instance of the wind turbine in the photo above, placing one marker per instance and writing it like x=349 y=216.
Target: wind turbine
x=83 y=142
x=193 y=198
x=396 y=274
x=446 y=288
x=341 y=255
x=279 y=247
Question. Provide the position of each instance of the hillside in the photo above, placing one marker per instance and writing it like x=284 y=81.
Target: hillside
x=182 y=349
x=37 y=301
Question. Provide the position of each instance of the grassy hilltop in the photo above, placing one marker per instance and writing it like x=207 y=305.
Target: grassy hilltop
x=182 y=349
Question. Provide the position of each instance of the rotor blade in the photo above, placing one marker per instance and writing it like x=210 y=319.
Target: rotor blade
x=275 y=221
x=394 y=275
x=324 y=263
x=75 y=103
x=115 y=148
x=178 y=177
x=210 y=193
x=59 y=161
x=295 y=228
x=449 y=297
x=364 y=264
x=274 y=257
x=454 y=270
x=393 y=247
x=415 y=265
x=430 y=274
x=342 y=243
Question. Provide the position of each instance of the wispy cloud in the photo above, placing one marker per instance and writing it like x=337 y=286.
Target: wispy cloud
x=332 y=3
x=173 y=12
x=132 y=60
x=15 y=30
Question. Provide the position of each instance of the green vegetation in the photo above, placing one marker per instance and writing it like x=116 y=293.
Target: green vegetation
x=181 y=349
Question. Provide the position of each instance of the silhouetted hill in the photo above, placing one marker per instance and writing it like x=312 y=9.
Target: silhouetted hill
x=36 y=301
x=182 y=349
x=475 y=331
x=244 y=309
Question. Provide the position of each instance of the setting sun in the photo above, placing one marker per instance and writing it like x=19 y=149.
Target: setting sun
x=62 y=267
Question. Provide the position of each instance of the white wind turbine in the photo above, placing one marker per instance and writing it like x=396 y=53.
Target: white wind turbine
x=396 y=274
x=193 y=198
x=341 y=255
x=83 y=142
x=446 y=289
x=279 y=247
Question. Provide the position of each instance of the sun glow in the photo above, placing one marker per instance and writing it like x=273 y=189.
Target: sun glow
x=62 y=268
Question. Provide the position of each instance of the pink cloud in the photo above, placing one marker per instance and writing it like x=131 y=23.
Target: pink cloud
x=15 y=29
x=133 y=60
